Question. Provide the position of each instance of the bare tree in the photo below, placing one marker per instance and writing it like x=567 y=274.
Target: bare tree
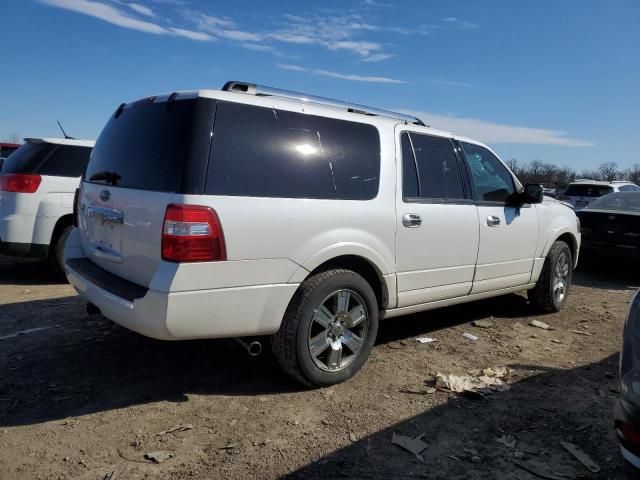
x=609 y=171
x=633 y=173
x=12 y=138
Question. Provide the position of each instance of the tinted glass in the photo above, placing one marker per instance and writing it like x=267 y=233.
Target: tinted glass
x=66 y=161
x=491 y=179
x=262 y=152
x=28 y=157
x=617 y=201
x=155 y=146
x=587 y=190
x=410 y=187
x=438 y=170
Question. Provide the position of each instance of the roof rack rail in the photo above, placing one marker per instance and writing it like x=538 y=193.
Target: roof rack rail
x=261 y=90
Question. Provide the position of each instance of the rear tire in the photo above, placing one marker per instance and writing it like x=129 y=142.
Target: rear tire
x=551 y=291
x=57 y=252
x=328 y=329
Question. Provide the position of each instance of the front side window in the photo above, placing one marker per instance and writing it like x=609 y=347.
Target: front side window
x=430 y=168
x=264 y=152
x=492 y=180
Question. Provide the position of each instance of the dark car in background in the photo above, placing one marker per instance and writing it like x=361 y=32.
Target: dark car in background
x=610 y=225
x=627 y=409
x=7 y=149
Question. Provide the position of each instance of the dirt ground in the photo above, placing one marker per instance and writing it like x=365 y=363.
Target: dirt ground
x=84 y=398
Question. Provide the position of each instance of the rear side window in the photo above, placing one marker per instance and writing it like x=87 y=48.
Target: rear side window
x=491 y=179
x=437 y=169
x=587 y=190
x=28 y=157
x=65 y=161
x=262 y=152
x=157 y=146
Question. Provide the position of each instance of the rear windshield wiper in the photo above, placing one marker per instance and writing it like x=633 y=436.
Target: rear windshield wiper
x=109 y=177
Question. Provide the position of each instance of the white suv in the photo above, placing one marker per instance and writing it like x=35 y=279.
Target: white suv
x=37 y=185
x=582 y=192
x=255 y=211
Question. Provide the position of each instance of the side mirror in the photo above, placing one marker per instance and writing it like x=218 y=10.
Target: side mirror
x=531 y=193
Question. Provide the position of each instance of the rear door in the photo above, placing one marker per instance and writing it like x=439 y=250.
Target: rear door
x=148 y=152
x=437 y=222
x=508 y=233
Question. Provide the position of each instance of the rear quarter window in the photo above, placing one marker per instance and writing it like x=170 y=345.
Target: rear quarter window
x=263 y=152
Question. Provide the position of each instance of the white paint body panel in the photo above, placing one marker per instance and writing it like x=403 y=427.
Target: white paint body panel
x=274 y=243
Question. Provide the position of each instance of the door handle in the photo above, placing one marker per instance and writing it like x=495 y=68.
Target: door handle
x=411 y=220
x=493 y=221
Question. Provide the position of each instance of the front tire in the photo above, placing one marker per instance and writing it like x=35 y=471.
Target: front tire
x=329 y=328
x=550 y=293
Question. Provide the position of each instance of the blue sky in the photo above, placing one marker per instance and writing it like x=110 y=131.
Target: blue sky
x=550 y=80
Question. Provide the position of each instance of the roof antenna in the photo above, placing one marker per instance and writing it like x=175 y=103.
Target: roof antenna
x=66 y=137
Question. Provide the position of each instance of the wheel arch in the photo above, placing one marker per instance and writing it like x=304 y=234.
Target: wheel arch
x=564 y=235
x=62 y=223
x=382 y=284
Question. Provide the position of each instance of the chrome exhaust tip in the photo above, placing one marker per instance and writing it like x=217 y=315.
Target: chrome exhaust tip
x=253 y=347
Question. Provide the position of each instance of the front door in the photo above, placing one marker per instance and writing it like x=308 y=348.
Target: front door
x=508 y=233
x=437 y=221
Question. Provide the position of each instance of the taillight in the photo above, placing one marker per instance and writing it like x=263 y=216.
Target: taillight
x=629 y=432
x=76 y=199
x=192 y=233
x=19 y=182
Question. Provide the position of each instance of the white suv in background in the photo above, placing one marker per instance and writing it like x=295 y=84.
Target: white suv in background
x=37 y=186
x=582 y=192
x=256 y=211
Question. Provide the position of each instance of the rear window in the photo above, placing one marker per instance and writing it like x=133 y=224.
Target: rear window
x=65 y=161
x=161 y=146
x=263 y=152
x=28 y=157
x=587 y=190
x=617 y=201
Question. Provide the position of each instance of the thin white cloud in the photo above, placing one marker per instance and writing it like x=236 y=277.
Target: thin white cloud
x=342 y=76
x=141 y=9
x=191 y=35
x=490 y=132
x=378 y=57
x=449 y=83
x=459 y=23
x=108 y=14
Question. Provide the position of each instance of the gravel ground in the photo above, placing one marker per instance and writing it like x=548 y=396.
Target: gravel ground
x=83 y=398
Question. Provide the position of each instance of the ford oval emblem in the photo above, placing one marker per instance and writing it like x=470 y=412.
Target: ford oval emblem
x=105 y=195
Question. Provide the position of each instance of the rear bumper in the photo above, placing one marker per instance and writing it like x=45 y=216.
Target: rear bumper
x=211 y=313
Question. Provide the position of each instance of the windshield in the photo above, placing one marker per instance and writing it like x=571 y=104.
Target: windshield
x=617 y=201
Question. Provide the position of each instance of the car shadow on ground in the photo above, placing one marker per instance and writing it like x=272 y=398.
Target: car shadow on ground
x=461 y=434
x=77 y=364
x=21 y=271
x=607 y=273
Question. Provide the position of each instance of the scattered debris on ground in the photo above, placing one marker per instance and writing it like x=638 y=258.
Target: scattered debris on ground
x=413 y=445
x=483 y=323
x=483 y=382
x=469 y=336
x=539 y=324
x=426 y=340
x=507 y=440
x=582 y=457
x=159 y=456
x=177 y=428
